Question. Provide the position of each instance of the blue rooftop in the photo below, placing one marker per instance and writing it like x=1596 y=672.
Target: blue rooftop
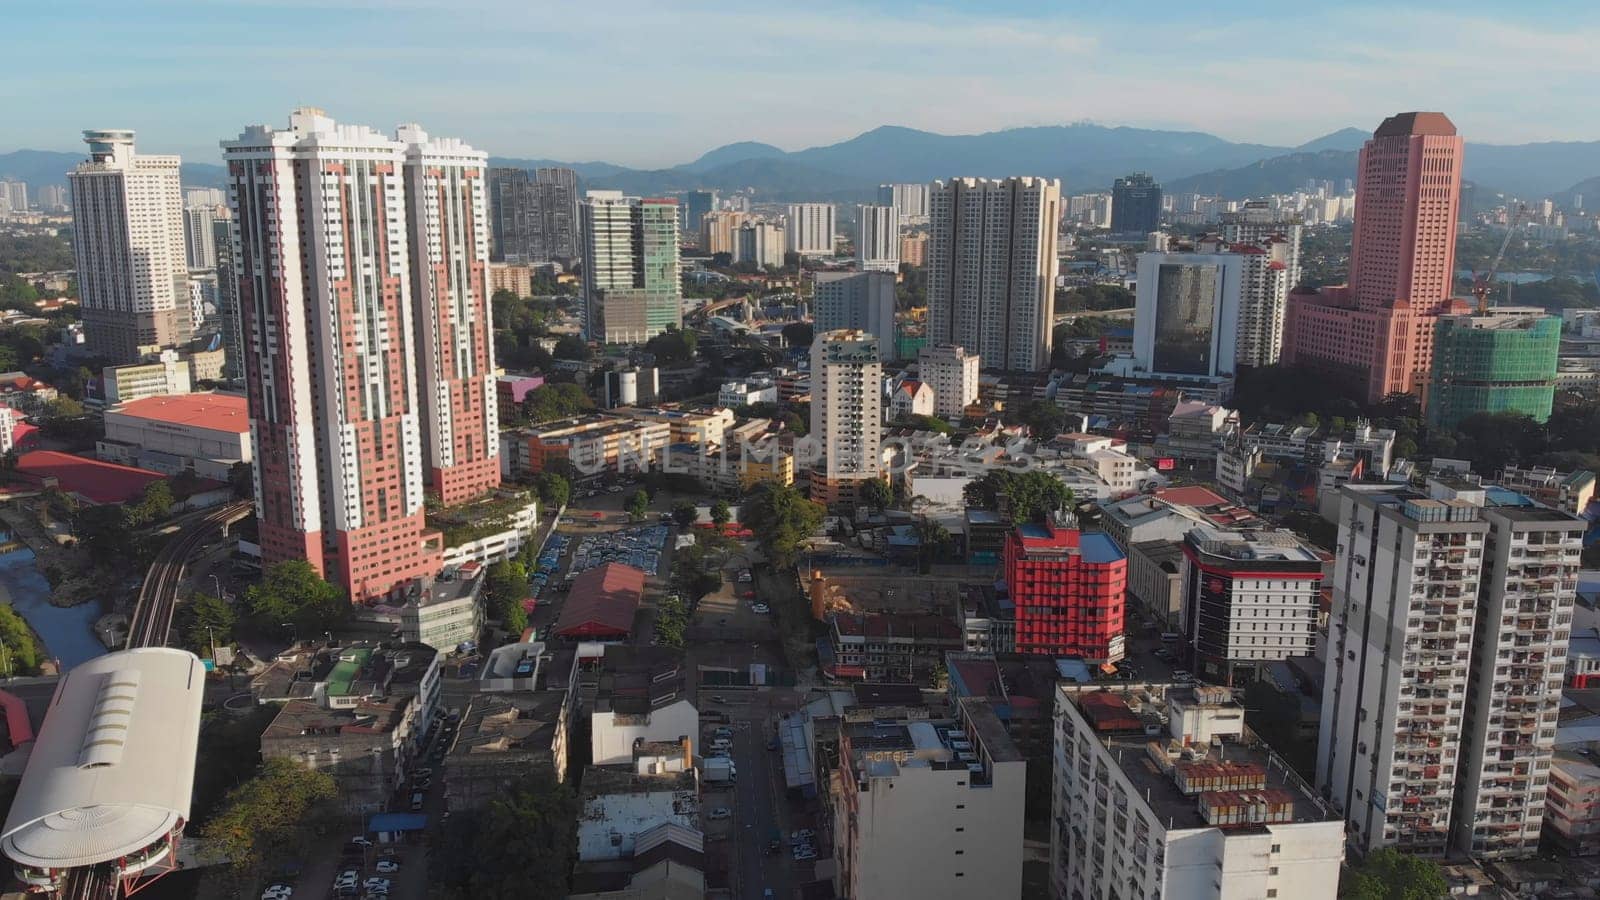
x=1499 y=496
x=1034 y=530
x=1098 y=547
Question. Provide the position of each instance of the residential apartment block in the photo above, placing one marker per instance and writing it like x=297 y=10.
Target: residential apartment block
x=321 y=212
x=1162 y=791
x=928 y=807
x=952 y=372
x=1447 y=644
x=128 y=240
x=992 y=268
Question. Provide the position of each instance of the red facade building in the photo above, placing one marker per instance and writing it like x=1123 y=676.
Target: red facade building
x=1069 y=589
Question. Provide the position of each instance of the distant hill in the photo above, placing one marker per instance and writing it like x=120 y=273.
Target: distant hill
x=1085 y=156
x=43 y=167
x=1529 y=171
x=1588 y=189
x=1343 y=139
x=1275 y=175
x=733 y=153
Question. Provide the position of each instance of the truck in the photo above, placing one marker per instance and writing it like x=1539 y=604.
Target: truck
x=719 y=770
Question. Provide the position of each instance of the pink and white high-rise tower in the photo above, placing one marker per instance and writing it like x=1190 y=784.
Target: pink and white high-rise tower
x=328 y=300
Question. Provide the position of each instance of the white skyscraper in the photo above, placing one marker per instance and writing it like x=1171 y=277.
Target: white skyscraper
x=447 y=206
x=15 y=195
x=856 y=301
x=324 y=275
x=846 y=409
x=952 y=372
x=199 y=238
x=1258 y=222
x=877 y=238
x=992 y=268
x=1186 y=317
x=910 y=201
x=810 y=228
x=133 y=272
x=1447 y=640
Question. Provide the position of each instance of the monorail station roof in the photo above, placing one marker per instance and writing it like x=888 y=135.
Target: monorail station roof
x=113 y=766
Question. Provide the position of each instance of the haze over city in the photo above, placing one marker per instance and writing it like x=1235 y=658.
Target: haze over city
x=582 y=82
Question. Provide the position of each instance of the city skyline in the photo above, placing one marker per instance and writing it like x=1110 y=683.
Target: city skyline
x=1103 y=68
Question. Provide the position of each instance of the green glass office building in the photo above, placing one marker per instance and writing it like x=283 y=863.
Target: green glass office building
x=1504 y=361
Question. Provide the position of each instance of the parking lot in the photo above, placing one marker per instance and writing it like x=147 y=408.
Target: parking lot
x=735 y=611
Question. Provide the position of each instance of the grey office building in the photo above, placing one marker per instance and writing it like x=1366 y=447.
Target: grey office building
x=533 y=215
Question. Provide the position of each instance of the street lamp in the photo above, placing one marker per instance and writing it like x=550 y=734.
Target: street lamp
x=217 y=583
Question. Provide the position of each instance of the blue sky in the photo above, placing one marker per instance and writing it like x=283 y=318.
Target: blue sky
x=657 y=83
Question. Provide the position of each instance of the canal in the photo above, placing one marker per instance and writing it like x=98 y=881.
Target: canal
x=67 y=631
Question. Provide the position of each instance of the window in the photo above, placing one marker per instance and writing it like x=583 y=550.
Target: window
x=1277 y=848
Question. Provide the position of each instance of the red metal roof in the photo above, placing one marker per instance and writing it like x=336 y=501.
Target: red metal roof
x=217 y=412
x=1192 y=495
x=95 y=481
x=602 y=602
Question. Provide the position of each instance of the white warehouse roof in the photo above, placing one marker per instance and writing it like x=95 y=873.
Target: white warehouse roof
x=113 y=766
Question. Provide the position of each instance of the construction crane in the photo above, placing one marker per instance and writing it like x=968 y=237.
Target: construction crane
x=1482 y=283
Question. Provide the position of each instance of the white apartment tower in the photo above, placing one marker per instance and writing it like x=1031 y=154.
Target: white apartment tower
x=856 y=301
x=759 y=242
x=1529 y=586
x=810 y=228
x=910 y=201
x=1161 y=791
x=1405 y=601
x=1445 y=741
x=199 y=238
x=846 y=409
x=447 y=210
x=877 y=238
x=952 y=372
x=992 y=268
x=1258 y=222
x=928 y=808
x=127 y=237
x=324 y=276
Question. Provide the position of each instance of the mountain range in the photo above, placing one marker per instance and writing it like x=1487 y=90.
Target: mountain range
x=1084 y=156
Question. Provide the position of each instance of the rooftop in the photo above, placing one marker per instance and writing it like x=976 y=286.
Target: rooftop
x=602 y=602
x=215 y=412
x=95 y=481
x=511 y=723
x=1280 y=546
x=94 y=793
x=1134 y=723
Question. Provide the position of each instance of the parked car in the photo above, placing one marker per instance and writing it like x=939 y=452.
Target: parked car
x=361 y=841
x=721 y=812
x=761 y=609
x=387 y=867
x=376 y=886
x=278 y=891
x=422 y=773
x=718 y=698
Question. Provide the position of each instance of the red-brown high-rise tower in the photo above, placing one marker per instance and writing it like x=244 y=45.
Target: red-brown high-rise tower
x=1378 y=330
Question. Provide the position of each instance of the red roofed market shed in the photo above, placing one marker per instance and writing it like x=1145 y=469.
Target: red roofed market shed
x=602 y=603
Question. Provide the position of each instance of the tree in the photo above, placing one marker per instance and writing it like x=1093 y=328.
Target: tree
x=876 y=494
x=673 y=347
x=520 y=848
x=570 y=346
x=270 y=819
x=21 y=651
x=291 y=592
x=638 y=505
x=672 y=621
x=684 y=513
x=1043 y=418
x=549 y=402
x=1388 y=874
x=242 y=479
x=1027 y=496
x=721 y=514
x=555 y=491
x=206 y=622
x=782 y=520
